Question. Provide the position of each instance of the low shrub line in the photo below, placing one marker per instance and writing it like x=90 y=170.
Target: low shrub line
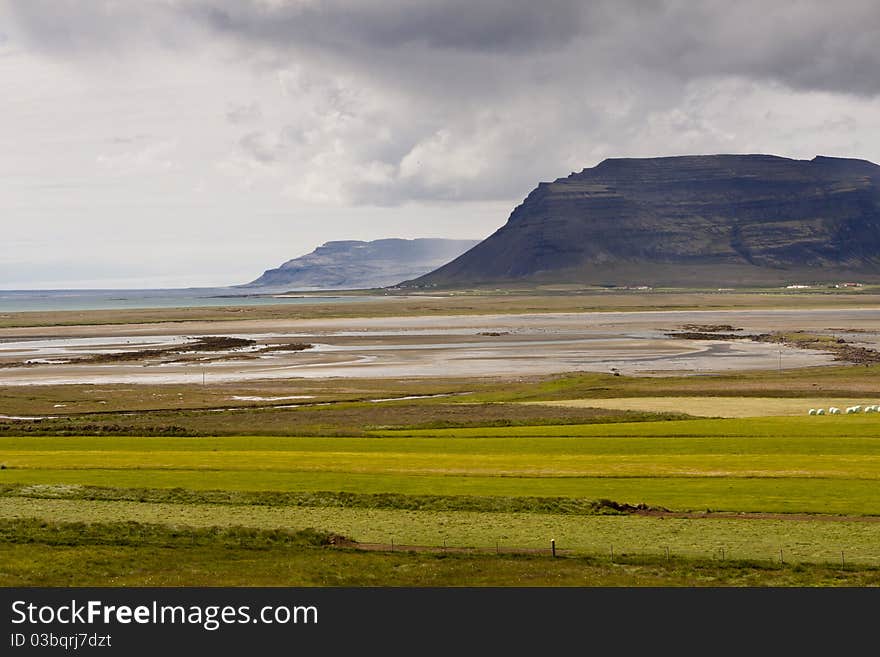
x=131 y=533
x=499 y=504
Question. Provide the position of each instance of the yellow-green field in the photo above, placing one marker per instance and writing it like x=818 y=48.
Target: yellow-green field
x=719 y=406
x=808 y=466
x=688 y=480
x=810 y=540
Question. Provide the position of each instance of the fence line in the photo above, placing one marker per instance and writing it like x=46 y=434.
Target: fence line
x=614 y=554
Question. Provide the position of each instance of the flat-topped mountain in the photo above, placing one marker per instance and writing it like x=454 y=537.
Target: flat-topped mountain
x=352 y=264
x=687 y=221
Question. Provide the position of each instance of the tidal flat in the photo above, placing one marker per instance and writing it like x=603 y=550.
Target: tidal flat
x=454 y=423
x=637 y=343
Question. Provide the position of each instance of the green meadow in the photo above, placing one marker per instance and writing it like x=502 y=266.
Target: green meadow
x=803 y=540
x=826 y=470
x=206 y=558
x=789 y=465
x=675 y=500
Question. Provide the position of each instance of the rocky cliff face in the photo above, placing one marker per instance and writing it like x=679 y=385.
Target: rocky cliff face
x=691 y=220
x=353 y=264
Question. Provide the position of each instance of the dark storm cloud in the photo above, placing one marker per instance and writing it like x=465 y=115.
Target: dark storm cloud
x=486 y=26
x=387 y=101
x=89 y=26
x=803 y=44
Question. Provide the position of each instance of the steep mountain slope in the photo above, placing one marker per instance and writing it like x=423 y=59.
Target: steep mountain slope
x=689 y=220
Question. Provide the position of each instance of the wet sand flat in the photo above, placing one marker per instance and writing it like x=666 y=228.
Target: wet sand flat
x=457 y=345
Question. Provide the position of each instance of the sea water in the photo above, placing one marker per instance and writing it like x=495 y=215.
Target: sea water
x=44 y=300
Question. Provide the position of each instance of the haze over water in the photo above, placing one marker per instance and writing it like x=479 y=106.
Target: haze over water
x=45 y=300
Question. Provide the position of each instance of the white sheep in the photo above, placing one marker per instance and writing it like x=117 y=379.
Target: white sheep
x=870 y=409
x=820 y=411
x=812 y=411
x=850 y=410
x=857 y=408
x=834 y=411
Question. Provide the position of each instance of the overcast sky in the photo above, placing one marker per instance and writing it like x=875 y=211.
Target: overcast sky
x=171 y=143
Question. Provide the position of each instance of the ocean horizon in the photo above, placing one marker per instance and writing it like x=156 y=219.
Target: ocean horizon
x=121 y=299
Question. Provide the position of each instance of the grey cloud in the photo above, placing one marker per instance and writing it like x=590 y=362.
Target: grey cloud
x=129 y=139
x=187 y=115
x=261 y=147
x=489 y=25
x=268 y=147
x=399 y=100
x=83 y=27
x=806 y=45
x=238 y=114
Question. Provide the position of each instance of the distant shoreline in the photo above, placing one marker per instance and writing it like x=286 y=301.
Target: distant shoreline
x=15 y=301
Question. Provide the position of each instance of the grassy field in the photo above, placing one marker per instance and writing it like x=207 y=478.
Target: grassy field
x=758 y=466
x=809 y=382
x=776 y=495
x=803 y=540
x=782 y=428
x=46 y=554
x=334 y=419
x=668 y=449
x=780 y=465
x=618 y=461
x=717 y=406
x=344 y=410
x=168 y=404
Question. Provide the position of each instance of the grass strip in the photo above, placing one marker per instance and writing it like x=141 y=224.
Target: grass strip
x=28 y=557
x=491 y=504
x=129 y=532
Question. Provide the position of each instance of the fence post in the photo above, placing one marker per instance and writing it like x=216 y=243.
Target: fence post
x=553 y=546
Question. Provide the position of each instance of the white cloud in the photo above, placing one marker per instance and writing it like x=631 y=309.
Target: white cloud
x=252 y=131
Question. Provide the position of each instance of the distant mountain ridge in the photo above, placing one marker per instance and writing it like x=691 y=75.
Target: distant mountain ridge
x=686 y=220
x=353 y=264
